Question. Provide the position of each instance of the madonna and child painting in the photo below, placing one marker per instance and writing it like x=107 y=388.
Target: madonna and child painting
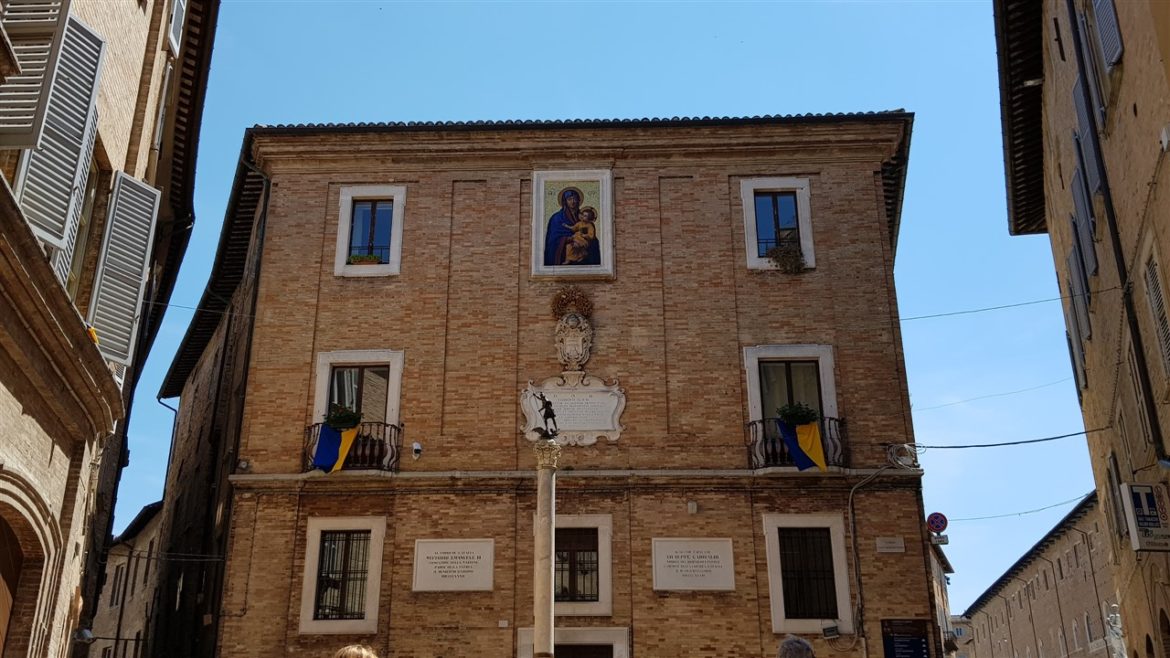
x=572 y=223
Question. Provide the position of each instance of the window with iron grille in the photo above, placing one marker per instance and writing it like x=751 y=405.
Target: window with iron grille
x=362 y=389
x=370 y=229
x=576 y=571
x=806 y=565
x=342 y=571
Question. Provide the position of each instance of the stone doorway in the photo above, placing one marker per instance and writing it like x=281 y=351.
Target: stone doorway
x=11 y=561
x=584 y=651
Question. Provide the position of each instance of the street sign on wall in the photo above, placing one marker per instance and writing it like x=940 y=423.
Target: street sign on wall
x=1148 y=516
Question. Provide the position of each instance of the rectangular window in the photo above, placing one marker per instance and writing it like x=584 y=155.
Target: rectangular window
x=776 y=224
x=342 y=570
x=116 y=586
x=369 y=230
x=362 y=389
x=1158 y=310
x=776 y=213
x=807 y=572
x=808 y=581
x=789 y=382
x=576 y=574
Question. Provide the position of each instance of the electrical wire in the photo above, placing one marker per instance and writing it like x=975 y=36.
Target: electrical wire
x=1003 y=306
x=991 y=395
x=919 y=447
x=1031 y=511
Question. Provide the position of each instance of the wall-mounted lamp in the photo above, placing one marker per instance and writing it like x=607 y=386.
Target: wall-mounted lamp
x=416 y=450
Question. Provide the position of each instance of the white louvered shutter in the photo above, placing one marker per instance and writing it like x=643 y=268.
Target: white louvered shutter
x=36 y=29
x=1084 y=140
x=1158 y=309
x=1091 y=58
x=50 y=186
x=63 y=258
x=1076 y=350
x=175 y=30
x=121 y=272
x=1083 y=223
x=1108 y=32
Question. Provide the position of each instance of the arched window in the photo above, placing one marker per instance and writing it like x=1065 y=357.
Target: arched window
x=1164 y=631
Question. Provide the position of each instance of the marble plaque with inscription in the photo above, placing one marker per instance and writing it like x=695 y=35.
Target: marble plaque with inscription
x=586 y=408
x=453 y=565
x=693 y=564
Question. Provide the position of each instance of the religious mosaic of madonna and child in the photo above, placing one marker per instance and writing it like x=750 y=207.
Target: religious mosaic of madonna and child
x=572 y=223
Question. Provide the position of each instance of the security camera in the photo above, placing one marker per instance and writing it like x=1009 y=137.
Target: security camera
x=416 y=448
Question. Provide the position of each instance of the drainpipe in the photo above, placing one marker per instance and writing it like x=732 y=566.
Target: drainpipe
x=1007 y=614
x=1147 y=395
x=1031 y=617
x=1059 y=608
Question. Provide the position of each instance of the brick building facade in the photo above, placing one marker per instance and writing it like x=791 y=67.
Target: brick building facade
x=421 y=544
x=125 y=611
x=97 y=148
x=1085 y=92
x=1058 y=599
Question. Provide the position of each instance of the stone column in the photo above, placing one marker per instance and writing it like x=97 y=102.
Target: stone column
x=542 y=600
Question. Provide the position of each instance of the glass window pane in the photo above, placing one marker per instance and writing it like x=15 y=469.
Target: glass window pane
x=806 y=386
x=765 y=221
x=786 y=205
x=359 y=231
x=375 y=384
x=383 y=217
x=343 y=389
x=773 y=387
x=342 y=569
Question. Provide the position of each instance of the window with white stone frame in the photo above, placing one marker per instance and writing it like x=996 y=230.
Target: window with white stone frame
x=583 y=569
x=342 y=574
x=776 y=213
x=366 y=381
x=369 y=230
x=808 y=577
x=612 y=642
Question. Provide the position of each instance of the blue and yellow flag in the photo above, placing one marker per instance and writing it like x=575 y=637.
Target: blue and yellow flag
x=332 y=447
x=804 y=444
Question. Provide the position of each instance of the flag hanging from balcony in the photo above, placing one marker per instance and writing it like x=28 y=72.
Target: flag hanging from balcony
x=804 y=444
x=332 y=447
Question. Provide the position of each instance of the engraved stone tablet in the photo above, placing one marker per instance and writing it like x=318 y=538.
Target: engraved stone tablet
x=453 y=565
x=587 y=409
x=693 y=564
x=891 y=545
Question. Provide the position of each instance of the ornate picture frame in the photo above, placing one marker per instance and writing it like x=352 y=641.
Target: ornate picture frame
x=572 y=223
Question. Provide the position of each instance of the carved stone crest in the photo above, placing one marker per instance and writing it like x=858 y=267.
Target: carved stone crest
x=574 y=340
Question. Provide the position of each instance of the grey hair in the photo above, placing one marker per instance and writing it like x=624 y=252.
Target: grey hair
x=795 y=647
x=355 y=651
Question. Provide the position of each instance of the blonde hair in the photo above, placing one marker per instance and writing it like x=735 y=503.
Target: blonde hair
x=355 y=651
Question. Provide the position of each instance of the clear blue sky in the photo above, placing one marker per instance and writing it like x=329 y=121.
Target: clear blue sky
x=294 y=61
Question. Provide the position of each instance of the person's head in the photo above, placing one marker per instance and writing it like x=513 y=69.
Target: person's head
x=588 y=214
x=795 y=647
x=355 y=651
x=570 y=198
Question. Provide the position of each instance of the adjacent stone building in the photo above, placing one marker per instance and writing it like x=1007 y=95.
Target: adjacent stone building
x=1058 y=599
x=100 y=111
x=671 y=287
x=1085 y=94
x=125 y=610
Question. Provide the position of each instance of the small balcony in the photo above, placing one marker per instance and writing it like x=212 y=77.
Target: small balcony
x=766 y=447
x=376 y=447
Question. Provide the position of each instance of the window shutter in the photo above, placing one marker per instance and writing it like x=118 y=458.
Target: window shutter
x=1076 y=351
x=63 y=257
x=1083 y=223
x=121 y=272
x=1108 y=32
x=1158 y=308
x=1084 y=140
x=175 y=31
x=1079 y=286
x=36 y=29
x=1090 y=56
x=50 y=187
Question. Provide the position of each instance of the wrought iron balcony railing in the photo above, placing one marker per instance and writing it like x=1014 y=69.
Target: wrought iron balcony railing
x=377 y=447
x=767 y=448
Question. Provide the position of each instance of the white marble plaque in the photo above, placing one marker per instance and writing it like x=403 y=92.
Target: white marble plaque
x=453 y=565
x=586 y=408
x=693 y=564
x=891 y=545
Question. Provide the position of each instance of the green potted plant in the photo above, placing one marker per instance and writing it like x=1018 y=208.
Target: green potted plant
x=364 y=259
x=797 y=414
x=787 y=257
x=341 y=417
